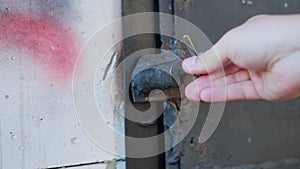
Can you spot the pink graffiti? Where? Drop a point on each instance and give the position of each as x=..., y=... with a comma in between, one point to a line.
x=49, y=42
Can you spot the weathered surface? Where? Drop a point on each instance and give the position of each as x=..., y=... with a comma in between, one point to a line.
x=252, y=134
x=39, y=44
x=131, y=45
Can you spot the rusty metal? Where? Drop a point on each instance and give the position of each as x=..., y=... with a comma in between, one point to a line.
x=162, y=71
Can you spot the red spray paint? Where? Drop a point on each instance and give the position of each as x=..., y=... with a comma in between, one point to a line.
x=51, y=44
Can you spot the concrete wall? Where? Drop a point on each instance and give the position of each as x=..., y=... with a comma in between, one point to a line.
x=39, y=45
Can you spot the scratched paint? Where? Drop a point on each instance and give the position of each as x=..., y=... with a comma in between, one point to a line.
x=47, y=41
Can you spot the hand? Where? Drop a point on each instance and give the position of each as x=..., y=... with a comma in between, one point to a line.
x=258, y=60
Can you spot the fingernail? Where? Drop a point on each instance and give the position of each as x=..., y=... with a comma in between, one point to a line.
x=192, y=93
x=205, y=95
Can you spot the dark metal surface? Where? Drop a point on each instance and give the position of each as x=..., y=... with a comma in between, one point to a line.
x=259, y=133
x=156, y=79
x=252, y=134
x=162, y=71
x=153, y=72
x=215, y=17
x=130, y=46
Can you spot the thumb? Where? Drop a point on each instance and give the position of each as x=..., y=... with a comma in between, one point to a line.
x=210, y=61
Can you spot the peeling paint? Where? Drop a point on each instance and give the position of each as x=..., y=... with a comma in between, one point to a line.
x=110, y=66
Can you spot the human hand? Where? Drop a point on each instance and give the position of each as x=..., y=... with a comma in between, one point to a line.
x=257, y=60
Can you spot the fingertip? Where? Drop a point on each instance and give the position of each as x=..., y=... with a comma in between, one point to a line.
x=210, y=61
x=191, y=92
x=205, y=95
x=191, y=65
x=187, y=64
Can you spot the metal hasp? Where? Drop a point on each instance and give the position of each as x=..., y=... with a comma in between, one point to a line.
x=162, y=71
x=157, y=71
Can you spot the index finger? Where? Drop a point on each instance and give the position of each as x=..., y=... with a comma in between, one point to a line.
x=210, y=61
